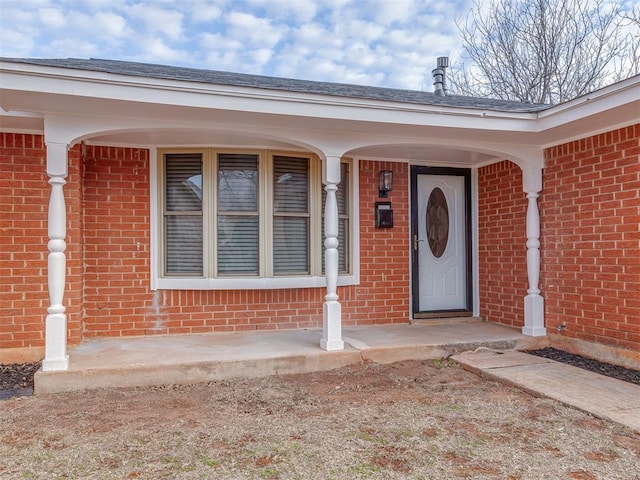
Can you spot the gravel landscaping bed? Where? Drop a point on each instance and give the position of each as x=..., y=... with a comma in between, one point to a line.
x=614, y=371
x=16, y=379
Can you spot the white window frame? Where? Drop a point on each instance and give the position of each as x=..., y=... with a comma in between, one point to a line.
x=209, y=282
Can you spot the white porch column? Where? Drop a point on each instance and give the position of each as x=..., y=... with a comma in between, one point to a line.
x=56, y=357
x=332, y=310
x=533, y=302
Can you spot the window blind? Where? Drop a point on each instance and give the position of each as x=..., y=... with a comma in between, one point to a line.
x=248, y=213
x=183, y=214
x=238, y=225
x=290, y=215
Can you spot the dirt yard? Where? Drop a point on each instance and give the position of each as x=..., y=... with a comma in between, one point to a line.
x=408, y=420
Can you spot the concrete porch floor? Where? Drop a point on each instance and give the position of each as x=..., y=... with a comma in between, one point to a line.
x=184, y=359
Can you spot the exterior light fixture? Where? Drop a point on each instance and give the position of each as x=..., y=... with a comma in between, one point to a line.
x=386, y=183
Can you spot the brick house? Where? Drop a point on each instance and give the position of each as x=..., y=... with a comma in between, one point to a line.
x=151, y=200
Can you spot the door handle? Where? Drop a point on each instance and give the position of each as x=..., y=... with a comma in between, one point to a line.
x=416, y=242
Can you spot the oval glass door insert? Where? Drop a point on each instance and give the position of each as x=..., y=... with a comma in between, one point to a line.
x=437, y=222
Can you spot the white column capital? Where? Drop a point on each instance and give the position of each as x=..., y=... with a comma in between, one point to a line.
x=532, y=179
x=57, y=163
x=331, y=169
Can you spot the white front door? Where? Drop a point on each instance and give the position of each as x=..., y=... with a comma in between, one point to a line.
x=440, y=238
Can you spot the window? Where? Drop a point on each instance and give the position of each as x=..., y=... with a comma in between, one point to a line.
x=183, y=220
x=291, y=216
x=231, y=215
x=237, y=216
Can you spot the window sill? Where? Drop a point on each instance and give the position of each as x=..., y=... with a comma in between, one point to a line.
x=247, y=283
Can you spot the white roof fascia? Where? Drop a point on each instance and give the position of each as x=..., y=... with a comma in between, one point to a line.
x=62, y=81
x=614, y=95
x=621, y=99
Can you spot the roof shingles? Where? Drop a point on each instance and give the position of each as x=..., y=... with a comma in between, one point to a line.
x=215, y=77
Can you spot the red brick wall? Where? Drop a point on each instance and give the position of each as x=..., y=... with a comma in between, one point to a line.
x=590, y=238
x=383, y=293
x=24, y=201
x=116, y=240
x=590, y=213
x=107, y=198
x=73, y=297
x=23, y=240
x=502, y=206
x=118, y=300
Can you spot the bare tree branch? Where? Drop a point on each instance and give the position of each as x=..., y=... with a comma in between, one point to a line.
x=631, y=64
x=545, y=51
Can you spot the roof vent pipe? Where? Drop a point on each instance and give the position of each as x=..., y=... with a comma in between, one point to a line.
x=440, y=77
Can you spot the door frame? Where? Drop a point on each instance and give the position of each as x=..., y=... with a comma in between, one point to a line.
x=415, y=303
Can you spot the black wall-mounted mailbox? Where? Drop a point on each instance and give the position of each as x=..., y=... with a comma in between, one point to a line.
x=384, y=215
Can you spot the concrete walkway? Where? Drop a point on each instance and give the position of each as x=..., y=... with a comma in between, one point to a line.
x=601, y=396
x=484, y=348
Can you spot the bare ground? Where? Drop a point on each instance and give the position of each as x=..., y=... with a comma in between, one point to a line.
x=408, y=420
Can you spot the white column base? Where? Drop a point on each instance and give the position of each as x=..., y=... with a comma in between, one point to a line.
x=332, y=327
x=56, y=357
x=534, y=316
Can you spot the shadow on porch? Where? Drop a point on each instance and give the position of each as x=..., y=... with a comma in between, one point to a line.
x=184, y=359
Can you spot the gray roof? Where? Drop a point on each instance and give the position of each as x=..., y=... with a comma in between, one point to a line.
x=215, y=77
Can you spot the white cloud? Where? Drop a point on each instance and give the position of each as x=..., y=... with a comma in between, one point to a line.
x=154, y=49
x=336, y=5
x=98, y=5
x=260, y=56
x=228, y=60
x=167, y=22
x=111, y=25
x=215, y=41
x=386, y=12
x=18, y=29
x=205, y=13
x=375, y=42
x=15, y=44
x=369, y=31
x=329, y=71
x=71, y=47
x=223, y=51
x=17, y=18
x=299, y=11
x=102, y=30
x=52, y=17
x=314, y=35
x=252, y=29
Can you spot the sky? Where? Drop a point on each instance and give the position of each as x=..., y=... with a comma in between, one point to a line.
x=390, y=43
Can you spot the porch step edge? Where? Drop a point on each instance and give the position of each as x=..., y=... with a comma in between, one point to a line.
x=187, y=373
x=445, y=320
